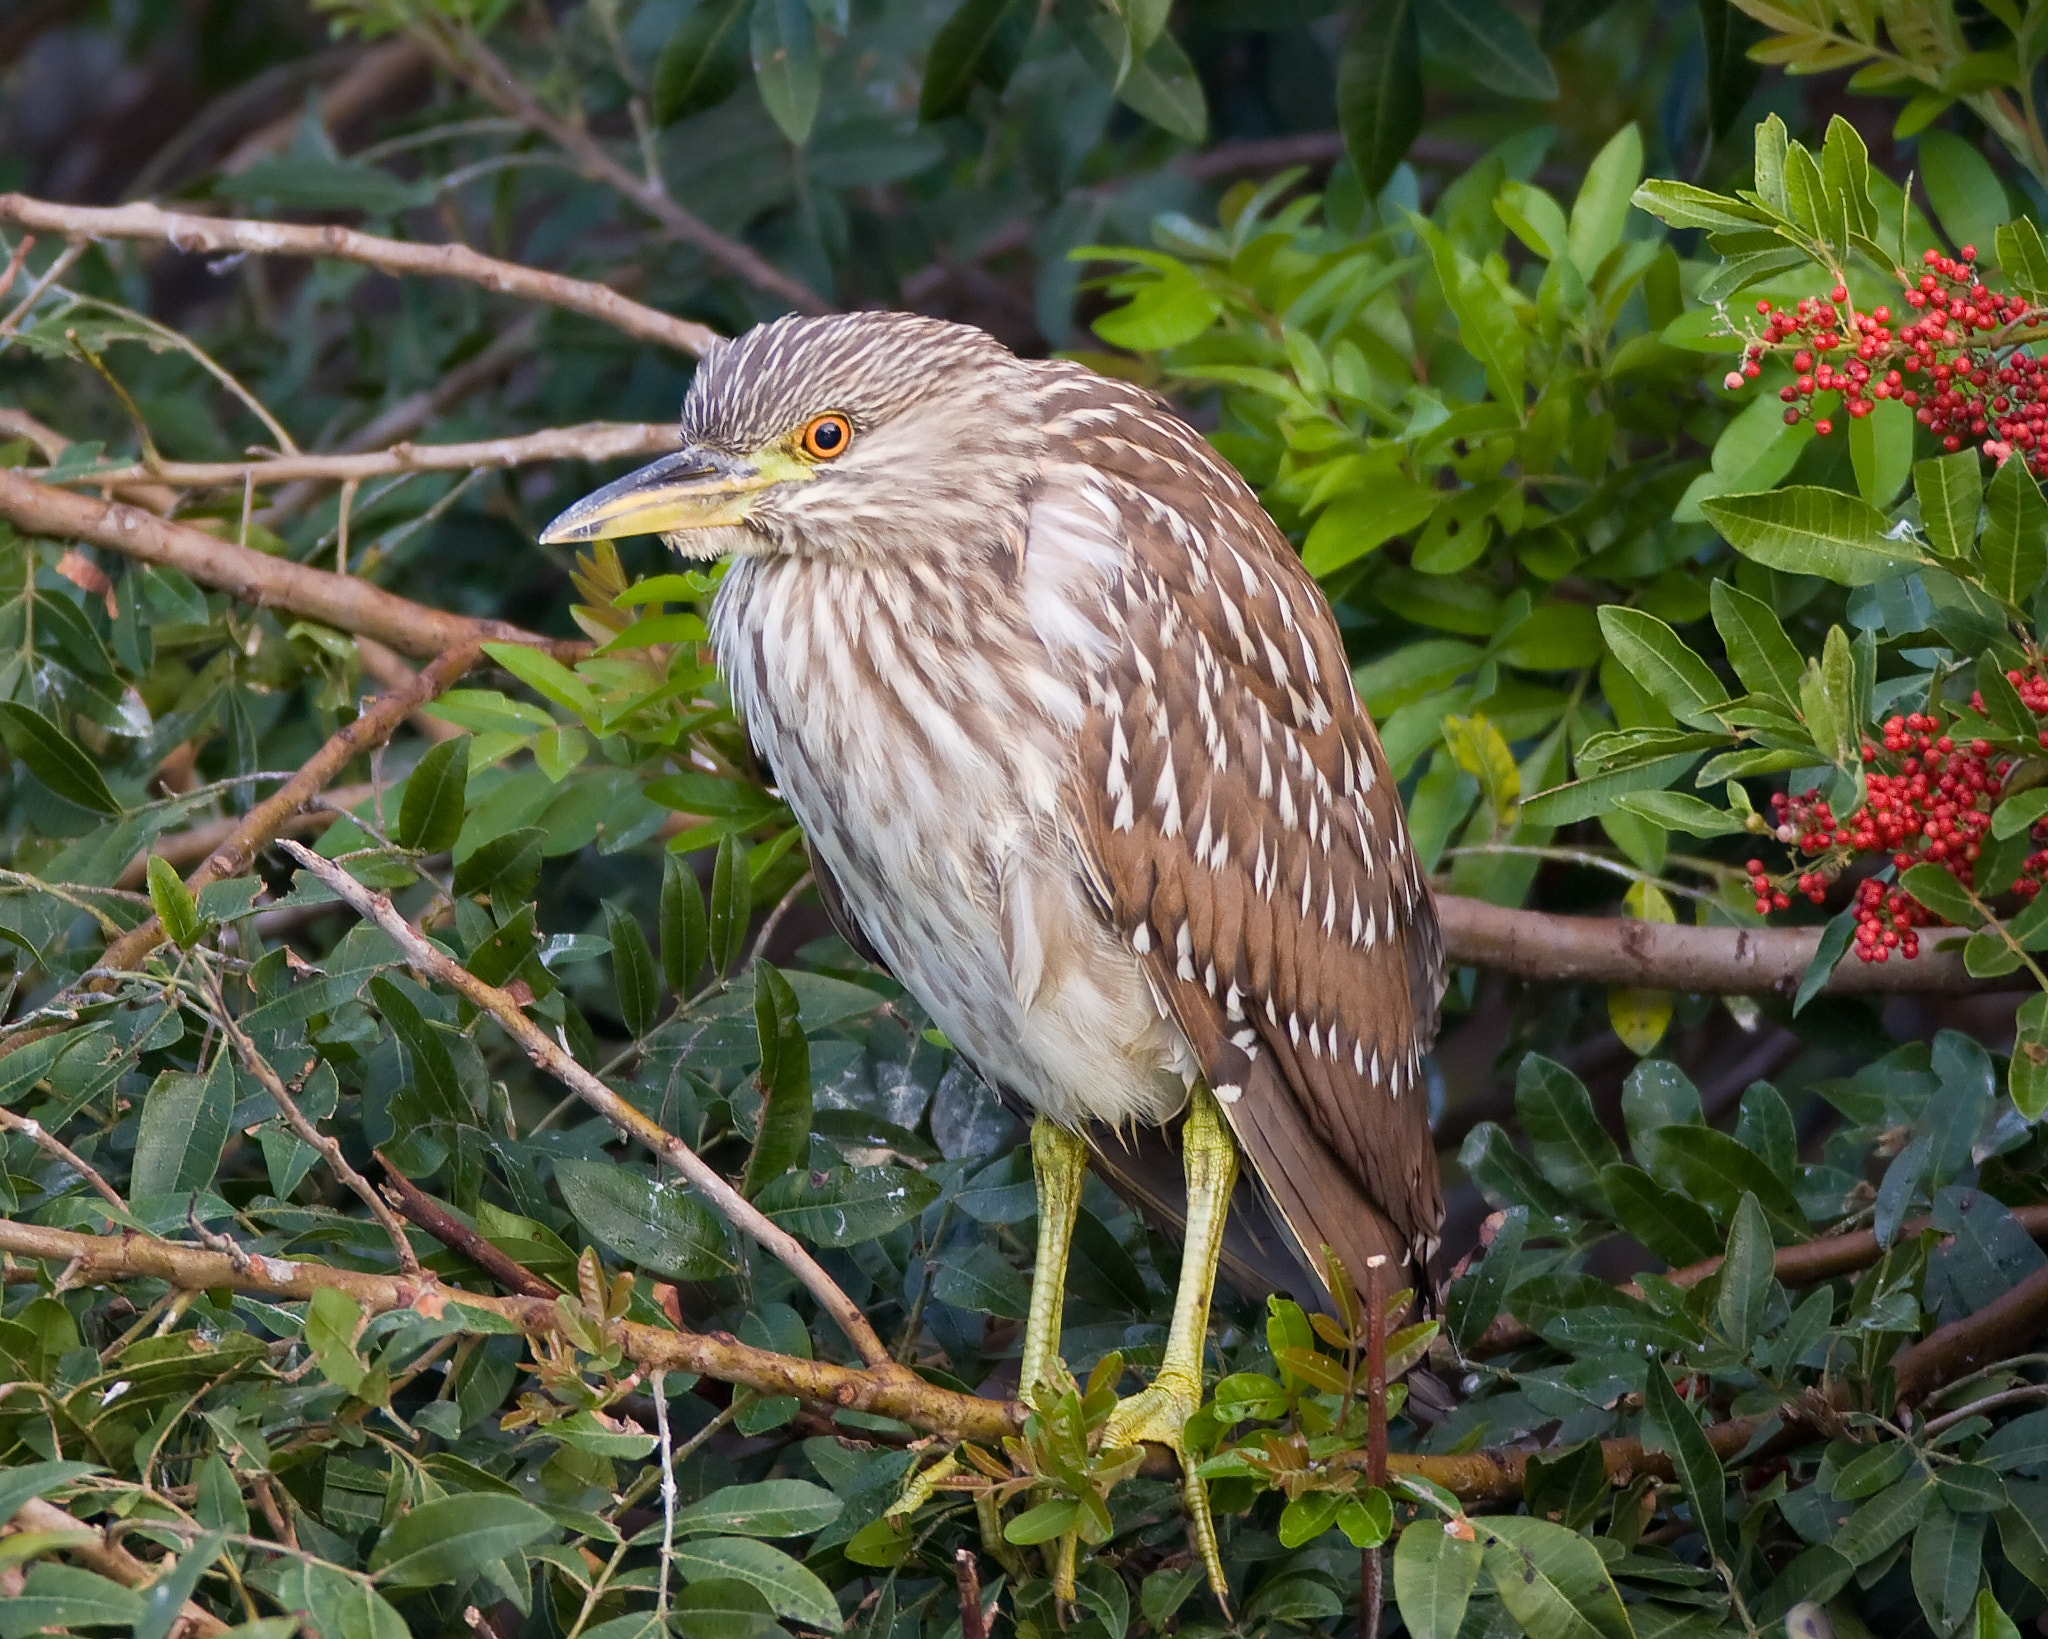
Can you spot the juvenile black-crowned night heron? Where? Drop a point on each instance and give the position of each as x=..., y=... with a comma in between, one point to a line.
x=1075, y=746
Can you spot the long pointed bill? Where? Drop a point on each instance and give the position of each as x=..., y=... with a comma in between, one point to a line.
x=692, y=489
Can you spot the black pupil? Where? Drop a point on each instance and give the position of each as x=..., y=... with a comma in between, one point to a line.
x=827, y=435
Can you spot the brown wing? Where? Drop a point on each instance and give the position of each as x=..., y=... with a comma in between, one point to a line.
x=1250, y=845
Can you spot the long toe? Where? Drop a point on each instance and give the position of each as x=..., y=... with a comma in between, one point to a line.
x=1157, y=1414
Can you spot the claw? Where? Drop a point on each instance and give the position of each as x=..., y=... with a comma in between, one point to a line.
x=1157, y=1416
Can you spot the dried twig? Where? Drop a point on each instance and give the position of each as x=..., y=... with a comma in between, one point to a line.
x=423, y=1210
x=594, y=441
x=473, y=62
x=342, y=601
x=212, y=235
x=263, y=823
x=555, y=1059
x=295, y=1118
x=113, y=1561
x=51, y=1145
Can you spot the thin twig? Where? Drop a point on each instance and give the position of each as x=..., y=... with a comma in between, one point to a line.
x=423, y=1210
x=473, y=62
x=211, y=235
x=556, y=1060
x=345, y=602
x=50, y=1144
x=668, y=1498
x=263, y=823
x=295, y=1118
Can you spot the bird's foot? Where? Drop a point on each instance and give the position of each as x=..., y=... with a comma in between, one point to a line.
x=1155, y=1415
x=1158, y=1415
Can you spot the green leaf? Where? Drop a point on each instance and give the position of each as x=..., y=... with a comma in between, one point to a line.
x=1168, y=312
x=2027, y=1080
x=24, y=1482
x=430, y=817
x=980, y=44
x=657, y=1227
x=1758, y=649
x=784, y=1138
x=2023, y=1531
x=1713, y=1169
x=1434, y=1573
x=2022, y=258
x=792, y=1590
x=1487, y=325
x=1658, y=659
x=1748, y=1276
x=702, y=62
x=1366, y=1517
x=1494, y=46
x=66, y=1598
x=1881, y=450
x=173, y=903
x=1669, y=1426
x=1601, y=211
x=1587, y=798
x=1307, y=1517
x=1552, y=1581
x=984, y=1282
x=1354, y=525
x=333, y=1319
x=1683, y=205
x=846, y=1205
x=1534, y=217
x=426, y=1049
x=685, y=933
x=1570, y=1145
x=1809, y=531
x=1477, y=1299
x=545, y=675
x=2014, y=547
x=639, y=988
x=1678, y=811
x=341, y=1606
x=1379, y=89
x=1677, y=1230
x=731, y=905
x=1950, y=490
x=768, y=1508
x=163, y=1601
x=53, y=759
x=183, y=1130
x=1043, y=1523
x=787, y=66
x=1886, y=1518
x=455, y=1536
x=1991, y=1622
x=1968, y=199
x=1941, y=893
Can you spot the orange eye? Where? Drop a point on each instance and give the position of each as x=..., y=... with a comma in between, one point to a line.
x=827, y=437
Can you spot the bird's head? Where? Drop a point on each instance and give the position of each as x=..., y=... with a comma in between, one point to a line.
x=856, y=436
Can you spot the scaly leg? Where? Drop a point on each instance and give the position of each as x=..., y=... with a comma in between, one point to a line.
x=1059, y=1160
x=1158, y=1413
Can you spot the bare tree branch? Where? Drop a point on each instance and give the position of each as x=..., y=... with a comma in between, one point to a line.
x=214, y=235
x=479, y=67
x=341, y=601
x=593, y=441
x=114, y=1562
x=1669, y=956
x=50, y=1144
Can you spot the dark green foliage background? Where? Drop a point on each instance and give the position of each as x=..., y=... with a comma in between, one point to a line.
x=1461, y=370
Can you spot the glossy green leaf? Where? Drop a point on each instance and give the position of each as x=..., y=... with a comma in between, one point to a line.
x=430, y=817
x=54, y=760
x=1950, y=490
x=453, y=1536
x=1434, y=1574
x=176, y=911
x=731, y=908
x=980, y=44
x=1968, y=199
x=633, y=973
x=1601, y=210
x=784, y=1136
x=656, y=1226
x=1669, y=1425
x=1809, y=531
x=1658, y=659
x=1493, y=45
x=1552, y=1581
x=767, y=1508
x=702, y=62
x=1379, y=88
x=2014, y=546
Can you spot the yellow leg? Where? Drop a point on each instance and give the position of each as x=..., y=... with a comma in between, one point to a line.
x=1158, y=1413
x=1059, y=1160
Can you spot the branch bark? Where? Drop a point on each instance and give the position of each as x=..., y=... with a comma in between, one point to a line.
x=435, y=965
x=422, y=1209
x=263, y=823
x=1722, y=961
x=316, y=594
x=215, y=235
x=115, y=1563
x=593, y=441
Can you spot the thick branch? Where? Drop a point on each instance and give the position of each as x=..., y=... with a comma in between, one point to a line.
x=593, y=441
x=1722, y=961
x=434, y=964
x=1800, y=1265
x=263, y=823
x=213, y=235
x=893, y=1392
x=2004, y=1326
x=479, y=67
x=316, y=594
x=114, y=1562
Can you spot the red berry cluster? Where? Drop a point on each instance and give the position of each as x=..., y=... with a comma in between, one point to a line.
x=1932, y=806
x=1949, y=366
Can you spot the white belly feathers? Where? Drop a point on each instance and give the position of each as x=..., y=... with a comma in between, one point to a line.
x=939, y=812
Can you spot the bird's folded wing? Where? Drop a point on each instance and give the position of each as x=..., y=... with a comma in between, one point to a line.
x=1247, y=840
